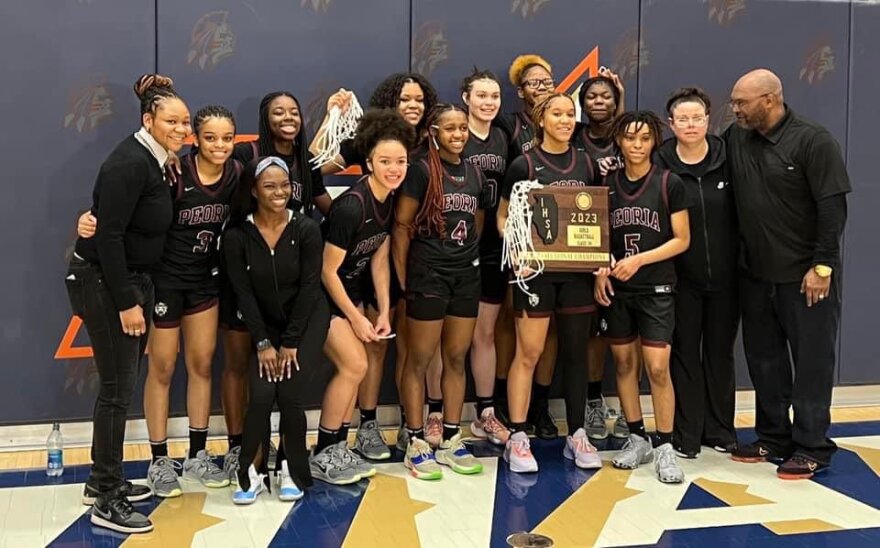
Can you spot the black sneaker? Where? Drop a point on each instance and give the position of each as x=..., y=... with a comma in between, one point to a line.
x=131, y=491
x=800, y=467
x=117, y=514
x=545, y=428
x=685, y=453
x=756, y=452
x=728, y=447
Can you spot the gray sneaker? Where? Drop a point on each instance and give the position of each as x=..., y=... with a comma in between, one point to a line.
x=666, y=465
x=230, y=464
x=620, y=430
x=402, y=439
x=594, y=423
x=162, y=476
x=202, y=468
x=365, y=468
x=334, y=465
x=636, y=451
x=370, y=443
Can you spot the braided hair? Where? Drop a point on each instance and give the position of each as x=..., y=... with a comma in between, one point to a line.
x=640, y=118
x=211, y=111
x=387, y=94
x=430, y=215
x=266, y=146
x=152, y=89
x=468, y=83
x=540, y=109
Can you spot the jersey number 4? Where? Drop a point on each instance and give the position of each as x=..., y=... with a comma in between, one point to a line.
x=460, y=233
x=205, y=238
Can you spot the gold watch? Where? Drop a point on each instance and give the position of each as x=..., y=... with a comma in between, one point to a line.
x=821, y=270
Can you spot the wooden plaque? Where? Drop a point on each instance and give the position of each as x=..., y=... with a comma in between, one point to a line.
x=570, y=228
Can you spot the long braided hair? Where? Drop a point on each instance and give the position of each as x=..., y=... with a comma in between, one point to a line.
x=540, y=109
x=152, y=89
x=430, y=216
x=266, y=147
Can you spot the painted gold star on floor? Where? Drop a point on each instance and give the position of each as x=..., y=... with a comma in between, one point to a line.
x=176, y=522
x=386, y=515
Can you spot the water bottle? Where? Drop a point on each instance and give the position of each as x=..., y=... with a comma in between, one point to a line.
x=55, y=450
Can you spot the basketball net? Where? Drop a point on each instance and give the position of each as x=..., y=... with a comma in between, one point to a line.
x=340, y=126
x=518, y=239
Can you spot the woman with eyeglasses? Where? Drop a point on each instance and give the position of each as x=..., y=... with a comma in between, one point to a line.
x=702, y=365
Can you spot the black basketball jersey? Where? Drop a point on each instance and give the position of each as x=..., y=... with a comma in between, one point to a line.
x=641, y=220
x=571, y=168
x=190, y=255
x=462, y=197
x=358, y=223
x=490, y=156
x=520, y=132
x=597, y=149
x=245, y=152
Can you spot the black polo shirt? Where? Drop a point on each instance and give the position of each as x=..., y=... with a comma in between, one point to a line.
x=778, y=179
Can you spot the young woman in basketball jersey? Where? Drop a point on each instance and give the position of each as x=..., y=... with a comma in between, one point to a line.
x=532, y=77
x=412, y=96
x=486, y=148
x=187, y=288
x=554, y=162
x=601, y=100
x=435, y=248
x=356, y=233
x=272, y=256
x=649, y=227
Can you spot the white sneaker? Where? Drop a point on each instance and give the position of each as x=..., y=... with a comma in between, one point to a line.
x=518, y=454
x=250, y=496
x=666, y=465
x=579, y=449
x=288, y=491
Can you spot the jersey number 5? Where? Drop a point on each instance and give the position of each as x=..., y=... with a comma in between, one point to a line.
x=459, y=233
x=631, y=241
x=205, y=238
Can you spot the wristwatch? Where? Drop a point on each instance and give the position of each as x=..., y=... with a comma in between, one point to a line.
x=265, y=344
x=821, y=270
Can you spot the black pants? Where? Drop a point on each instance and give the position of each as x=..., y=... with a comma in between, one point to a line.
x=292, y=396
x=573, y=330
x=776, y=321
x=117, y=357
x=702, y=366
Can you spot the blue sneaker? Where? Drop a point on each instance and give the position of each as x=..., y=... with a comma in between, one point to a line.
x=288, y=491
x=257, y=487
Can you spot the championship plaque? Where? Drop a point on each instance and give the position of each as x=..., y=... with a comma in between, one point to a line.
x=569, y=228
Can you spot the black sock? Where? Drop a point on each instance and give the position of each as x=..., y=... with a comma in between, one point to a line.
x=663, y=437
x=450, y=430
x=234, y=440
x=501, y=389
x=368, y=415
x=540, y=393
x=594, y=390
x=343, y=432
x=198, y=437
x=416, y=433
x=435, y=406
x=159, y=449
x=517, y=427
x=483, y=403
x=326, y=438
x=637, y=427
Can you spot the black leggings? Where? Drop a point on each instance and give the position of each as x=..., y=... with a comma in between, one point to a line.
x=573, y=332
x=292, y=396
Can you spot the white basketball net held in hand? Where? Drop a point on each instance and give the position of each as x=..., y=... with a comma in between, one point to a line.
x=518, y=239
x=340, y=126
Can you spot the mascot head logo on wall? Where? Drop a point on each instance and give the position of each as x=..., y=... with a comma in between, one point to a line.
x=212, y=40
x=630, y=54
x=317, y=5
x=88, y=106
x=430, y=48
x=818, y=61
x=724, y=11
x=527, y=8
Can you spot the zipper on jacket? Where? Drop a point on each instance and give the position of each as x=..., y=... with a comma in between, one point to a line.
x=705, y=229
x=275, y=278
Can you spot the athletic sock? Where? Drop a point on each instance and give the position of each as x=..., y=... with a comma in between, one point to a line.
x=483, y=404
x=234, y=440
x=540, y=393
x=450, y=430
x=501, y=389
x=418, y=433
x=594, y=390
x=663, y=437
x=198, y=437
x=637, y=427
x=159, y=449
x=343, y=432
x=326, y=438
x=517, y=427
x=435, y=406
x=368, y=415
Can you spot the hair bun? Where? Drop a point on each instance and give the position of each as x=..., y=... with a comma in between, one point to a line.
x=149, y=81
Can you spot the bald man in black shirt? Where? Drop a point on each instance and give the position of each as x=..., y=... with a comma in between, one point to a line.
x=790, y=184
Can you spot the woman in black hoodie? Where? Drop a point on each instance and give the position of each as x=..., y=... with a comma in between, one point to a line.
x=273, y=259
x=706, y=301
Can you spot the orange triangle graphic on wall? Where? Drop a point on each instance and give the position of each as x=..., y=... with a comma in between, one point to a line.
x=66, y=350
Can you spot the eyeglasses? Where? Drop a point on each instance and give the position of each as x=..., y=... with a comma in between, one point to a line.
x=740, y=103
x=696, y=121
x=535, y=83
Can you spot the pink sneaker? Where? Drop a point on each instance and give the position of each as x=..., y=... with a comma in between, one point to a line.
x=487, y=426
x=579, y=449
x=434, y=429
x=518, y=454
